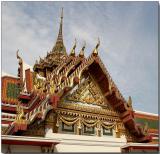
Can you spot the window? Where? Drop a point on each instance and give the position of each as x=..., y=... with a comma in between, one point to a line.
x=107, y=132
x=89, y=130
x=67, y=128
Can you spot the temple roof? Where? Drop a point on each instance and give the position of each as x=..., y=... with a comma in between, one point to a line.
x=57, y=53
x=63, y=79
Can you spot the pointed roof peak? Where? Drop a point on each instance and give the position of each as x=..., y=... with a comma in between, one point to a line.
x=59, y=46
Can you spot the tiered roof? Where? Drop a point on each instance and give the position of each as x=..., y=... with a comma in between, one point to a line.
x=57, y=53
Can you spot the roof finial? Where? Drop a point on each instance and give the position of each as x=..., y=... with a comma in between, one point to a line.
x=62, y=14
x=73, y=49
x=129, y=103
x=81, y=54
x=60, y=36
x=95, y=51
x=20, y=68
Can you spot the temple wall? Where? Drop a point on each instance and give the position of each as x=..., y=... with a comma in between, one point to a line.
x=81, y=143
x=85, y=148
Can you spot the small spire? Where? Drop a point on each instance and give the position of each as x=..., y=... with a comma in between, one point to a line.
x=81, y=54
x=95, y=51
x=73, y=49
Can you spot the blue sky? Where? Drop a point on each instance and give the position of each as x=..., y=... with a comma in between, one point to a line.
x=128, y=32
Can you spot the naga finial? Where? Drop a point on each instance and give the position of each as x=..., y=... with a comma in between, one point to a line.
x=95, y=51
x=129, y=102
x=20, y=68
x=18, y=57
x=81, y=54
x=20, y=113
x=73, y=49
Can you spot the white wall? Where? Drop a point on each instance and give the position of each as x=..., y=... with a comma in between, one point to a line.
x=84, y=148
x=81, y=143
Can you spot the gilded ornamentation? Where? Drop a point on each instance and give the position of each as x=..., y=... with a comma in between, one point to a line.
x=79, y=121
x=20, y=114
x=87, y=92
x=95, y=51
x=129, y=103
x=38, y=84
x=52, y=87
x=73, y=49
x=81, y=54
x=93, y=110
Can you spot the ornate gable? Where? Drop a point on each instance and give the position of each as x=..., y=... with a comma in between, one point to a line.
x=87, y=92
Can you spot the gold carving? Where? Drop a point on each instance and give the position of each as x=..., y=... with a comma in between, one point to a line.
x=20, y=114
x=87, y=92
x=95, y=51
x=81, y=54
x=129, y=103
x=52, y=87
x=73, y=49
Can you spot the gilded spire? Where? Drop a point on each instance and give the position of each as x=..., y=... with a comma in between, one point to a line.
x=81, y=54
x=59, y=46
x=60, y=35
x=73, y=49
x=95, y=51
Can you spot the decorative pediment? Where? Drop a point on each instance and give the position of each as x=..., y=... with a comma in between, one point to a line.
x=87, y=92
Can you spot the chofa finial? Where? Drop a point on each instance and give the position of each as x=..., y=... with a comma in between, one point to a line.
x=18, y=57
x=95, y=51
x=73, y=49
x=81, y=54
x=129, y=102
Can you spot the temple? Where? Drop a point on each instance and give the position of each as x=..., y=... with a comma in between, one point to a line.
x=69, y=103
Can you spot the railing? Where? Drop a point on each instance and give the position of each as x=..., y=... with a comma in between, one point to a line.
x=40, y=109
